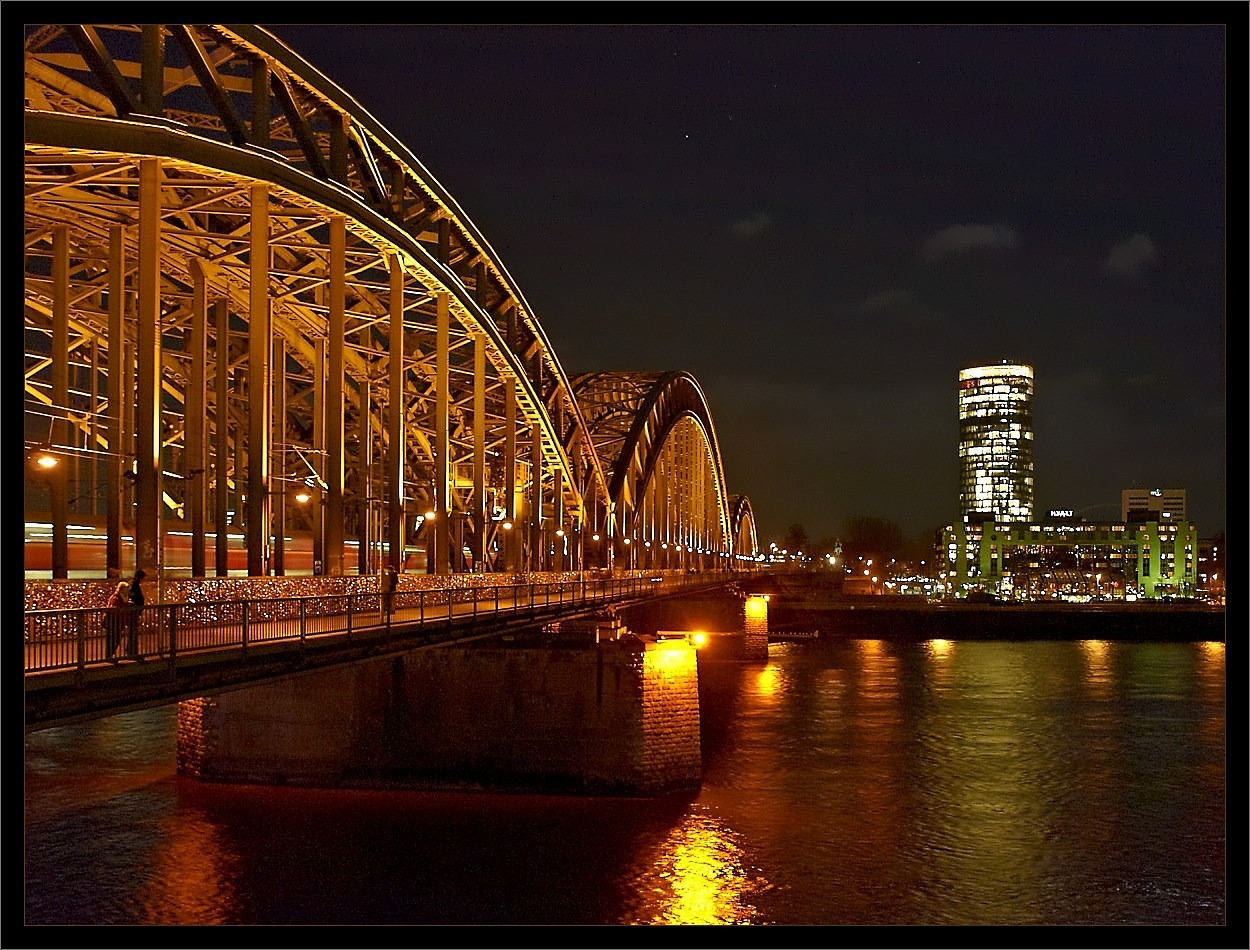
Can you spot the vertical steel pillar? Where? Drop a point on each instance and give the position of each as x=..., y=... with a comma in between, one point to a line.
x=195, y=404
x=58, y=480
x=221, y=435
x=319, y=456
x=335, y=386
x=511, y=538
x=441, y=534
x=478, y=506
x=278, y=374
x=94, y=435
x=538, y=554
x=258, y=394
x=148, y=359
x=366, y=512
x=116, y=389
x=395, y=457
x=557, y=502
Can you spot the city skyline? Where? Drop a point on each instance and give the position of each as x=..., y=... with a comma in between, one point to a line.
x=824, y=223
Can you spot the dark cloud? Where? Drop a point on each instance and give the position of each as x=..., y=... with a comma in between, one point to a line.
x=885, y=300
x=963, y=238
x=752, y=226
x=1131, y=257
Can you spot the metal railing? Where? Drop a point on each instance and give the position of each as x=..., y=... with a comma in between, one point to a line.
x=75, y=639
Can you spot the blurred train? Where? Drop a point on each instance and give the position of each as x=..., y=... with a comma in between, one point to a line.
x=88, y=551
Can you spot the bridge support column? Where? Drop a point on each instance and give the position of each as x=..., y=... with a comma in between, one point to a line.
x=618, y=717
x=755, y=627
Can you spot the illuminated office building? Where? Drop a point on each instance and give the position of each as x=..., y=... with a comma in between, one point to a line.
x=996, y=442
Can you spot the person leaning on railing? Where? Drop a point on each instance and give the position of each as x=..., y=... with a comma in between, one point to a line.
x=136, y=607
x=118, y=606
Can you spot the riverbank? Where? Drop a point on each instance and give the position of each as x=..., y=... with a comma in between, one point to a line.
x=1150, y=622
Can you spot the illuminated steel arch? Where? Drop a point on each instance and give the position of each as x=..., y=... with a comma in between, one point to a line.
x=241, y=288
x=745, y=540
x=655, y=438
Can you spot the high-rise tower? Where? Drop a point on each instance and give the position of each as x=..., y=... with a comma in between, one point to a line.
x=996, y=441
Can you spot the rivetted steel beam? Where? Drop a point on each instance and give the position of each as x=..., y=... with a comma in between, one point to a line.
x=101, y=63
x=258, y=394
x=303, y=135
x=148, y=376
x=396, y=452
x=261, y=101
x=209, y=82
x=152, y=69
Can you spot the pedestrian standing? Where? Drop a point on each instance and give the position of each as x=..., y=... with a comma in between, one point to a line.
x=118, y=603
x=390, y=582
x=136, y=607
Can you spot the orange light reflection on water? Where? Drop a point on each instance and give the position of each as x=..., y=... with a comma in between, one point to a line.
x=768, y=680
x=192, y=880
x=696, y=876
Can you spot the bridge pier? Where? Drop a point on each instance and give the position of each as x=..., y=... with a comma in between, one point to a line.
x=755, y=627
x=619, y=716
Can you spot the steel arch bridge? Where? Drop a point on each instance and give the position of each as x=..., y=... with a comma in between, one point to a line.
x=251, y=311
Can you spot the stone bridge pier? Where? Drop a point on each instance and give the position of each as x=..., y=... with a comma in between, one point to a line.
x=586, y=706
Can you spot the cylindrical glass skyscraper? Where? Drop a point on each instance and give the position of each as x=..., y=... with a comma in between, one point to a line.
x=996, y=442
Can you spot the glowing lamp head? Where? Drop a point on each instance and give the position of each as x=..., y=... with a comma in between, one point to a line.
x=46, y=460
x=698, y=639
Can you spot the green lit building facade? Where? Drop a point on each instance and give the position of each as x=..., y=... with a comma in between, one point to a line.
x=1077, y=561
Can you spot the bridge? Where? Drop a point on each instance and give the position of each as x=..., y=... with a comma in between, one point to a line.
x=252, y=314
x=84, y=663
x=268, y=356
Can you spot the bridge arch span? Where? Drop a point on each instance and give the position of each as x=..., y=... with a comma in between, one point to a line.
x=658, y=444
x=745, y=540
x=252, y=314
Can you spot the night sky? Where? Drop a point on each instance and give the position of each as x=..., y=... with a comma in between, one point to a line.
x=825, y=223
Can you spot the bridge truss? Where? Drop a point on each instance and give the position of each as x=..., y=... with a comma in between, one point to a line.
x=249, y=308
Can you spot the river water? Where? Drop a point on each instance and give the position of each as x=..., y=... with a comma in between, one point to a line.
x=851, y=782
